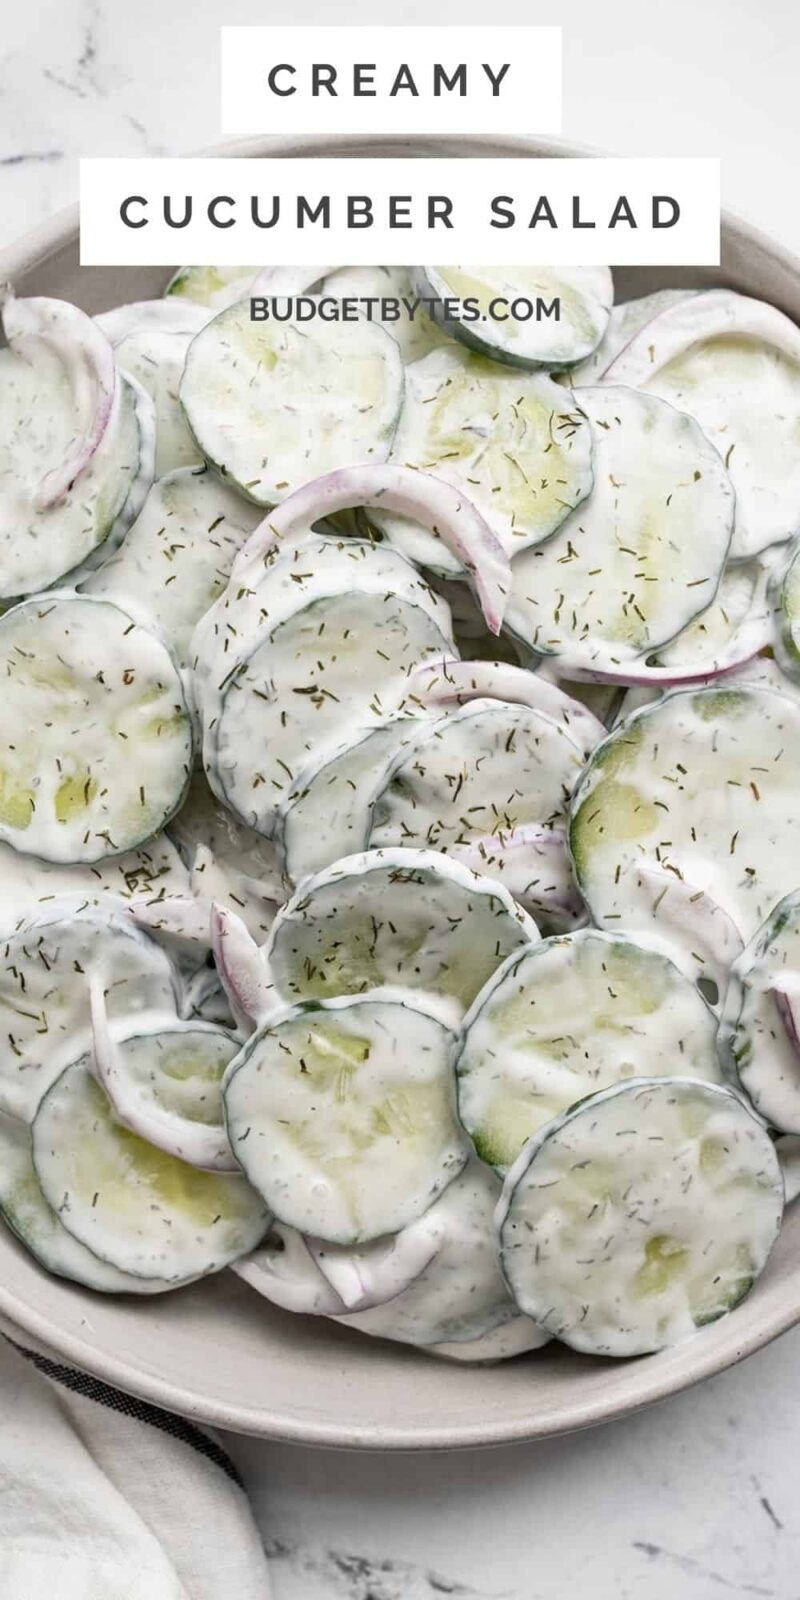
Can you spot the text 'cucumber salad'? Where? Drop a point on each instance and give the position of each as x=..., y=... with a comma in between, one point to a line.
x=400, y=801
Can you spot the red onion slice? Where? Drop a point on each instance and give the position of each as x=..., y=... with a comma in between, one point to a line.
x=787, y=1001
x=534, y=864
x=370, y=1277
x=288, y=1276
x=33, y=325
x=241, y=967
x=436, y=505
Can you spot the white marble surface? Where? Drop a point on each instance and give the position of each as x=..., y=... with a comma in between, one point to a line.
x=697, y=1498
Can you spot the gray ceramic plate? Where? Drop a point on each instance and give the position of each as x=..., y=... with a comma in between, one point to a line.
x=218, y=1352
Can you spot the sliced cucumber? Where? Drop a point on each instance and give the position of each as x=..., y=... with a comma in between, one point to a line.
x=644, y=1213
x=332, y=653
x=326, y=814
x=414, y=330
x=37, y=1226
x=41, y=540
x=625, y=320
x=407, y=917
x=644, y=555
x=272, y=404
x=156, y=358
x=96, y=746
x=457, y=682
x=733, y=364
x=174, y=315
x=741, y=596
x=476, y=775
x=584, y=296
x=758, y=1038
x=513, y=442
x=44, y=989
x=702, y=784
x=176, y=559
x=568, y=1017
x=29, y=885
x=787, y=641
x=215, y=287
x=165, y=1084
x=342, y=1115
x=787, y=1149
x=461, y=1295
x=138, y=1208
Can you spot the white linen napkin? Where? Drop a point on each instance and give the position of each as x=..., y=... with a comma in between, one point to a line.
x=104, y=1497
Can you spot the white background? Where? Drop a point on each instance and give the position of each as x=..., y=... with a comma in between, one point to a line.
x=697, y=1499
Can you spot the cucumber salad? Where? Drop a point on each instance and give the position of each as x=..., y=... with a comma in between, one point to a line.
x=400, y=802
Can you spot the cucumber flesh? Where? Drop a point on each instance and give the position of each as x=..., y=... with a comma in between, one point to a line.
x=44, y=990
x=407, y=917
x=734, y=364
x=569, y=1017
x=479, y=773
x=272, y=405
x=96, y=746
x=326, y=814
x=176, y=559
x=443, y=683
x=174, y=315
x=29, y=886
x=25, y=1210
x=342, y=1115
x=416, y=335
x=626, y=319
x=701, y=784
x=512, y=442
x=757, y=1035
x=461, y=1295
x=644, y=1213
x=165, y=1083
x=156, y=358
x=585, y=296
x=138, y=1208
x=635, y=564
x=214, y=287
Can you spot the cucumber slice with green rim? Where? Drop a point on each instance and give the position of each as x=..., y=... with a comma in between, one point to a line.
x=734, y=364
x=407, y=917
x=740, y=599
x=461, y=1295
x=787, y=1149
x=513, y=442
x=584, y=295
x=40, y=543
x=29, y=885
x=334, y=652
x=415, y=331
x=44, y=988
x=165, y=1083
x=457, y=682
x=625, y=320
x=476, y=775
x=566, y=1018
x=36, y=1225
x=272, y=404
x=703, y=785
x=326, y=814
x=644, y=1213
x=758, y=1037
x=176, y=559
x=138, y=1208
x=175, y=315
x=787, y=636
x=342, y=1115
x=215, y=287
x=156, y=358
x=96, y=745
x=633, y=566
